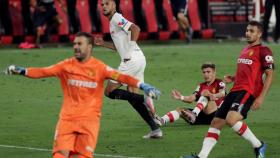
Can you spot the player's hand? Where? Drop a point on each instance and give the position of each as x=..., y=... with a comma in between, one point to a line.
x=98, y=41
x=257, y=103
x=15, y=70
x=176, y=94
x=150, y=90
x=228, y=79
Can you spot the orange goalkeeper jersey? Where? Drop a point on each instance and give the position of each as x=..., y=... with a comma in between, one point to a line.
x=82, y=85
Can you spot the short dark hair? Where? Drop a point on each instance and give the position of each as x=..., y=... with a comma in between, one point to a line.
x=208, y=65
x=88, y=36
x=257, y=24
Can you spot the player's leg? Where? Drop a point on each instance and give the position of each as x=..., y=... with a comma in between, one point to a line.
x=64, y=139
x=86, y=139
x=217, y=124
x=202, y=105
x=171, y=116
x=234, y=119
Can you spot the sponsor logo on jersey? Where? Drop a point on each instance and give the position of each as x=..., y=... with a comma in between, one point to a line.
x=245, y=61
x=79, y=83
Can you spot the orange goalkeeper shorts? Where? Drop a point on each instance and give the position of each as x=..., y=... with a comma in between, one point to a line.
x=76, y=136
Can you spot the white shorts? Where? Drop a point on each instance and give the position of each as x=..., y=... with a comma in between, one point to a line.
x=135, y=67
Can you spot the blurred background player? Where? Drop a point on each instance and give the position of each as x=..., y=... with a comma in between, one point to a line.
x=82, y=78
x=45, y=18
x=253, y=78
x=180, y=10
x=133, y=62
x=267, y=14
x=208, y=94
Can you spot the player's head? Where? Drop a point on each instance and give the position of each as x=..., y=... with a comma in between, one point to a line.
x=109, y=7
x=254, y=32
x=209, y=72
x=82, y=46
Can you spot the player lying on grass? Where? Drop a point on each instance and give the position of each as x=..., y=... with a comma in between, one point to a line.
x=208, y=95
x=252, y=81
x=82, y=80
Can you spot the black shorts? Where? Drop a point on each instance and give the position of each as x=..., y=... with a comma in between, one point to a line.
x=203, y=119
x=179, y=6
x=239, y=101
x=47, y=16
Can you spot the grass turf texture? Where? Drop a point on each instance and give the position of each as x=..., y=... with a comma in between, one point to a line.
x=29, y=108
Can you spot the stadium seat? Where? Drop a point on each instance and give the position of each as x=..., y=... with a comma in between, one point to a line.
x=82, y=7
x=126, y=7
x=16, y=17
x=148, y=8
x=193, y=13
x=103, y=19
x=172, y=23
x=64, y=25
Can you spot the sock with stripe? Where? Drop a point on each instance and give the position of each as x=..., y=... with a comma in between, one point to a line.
x=171, y=116
x=201, y=104
x=209, y=142
x=243, y=130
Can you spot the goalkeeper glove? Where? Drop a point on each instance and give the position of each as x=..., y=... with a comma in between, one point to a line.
x=150, y=90
x=15, y=70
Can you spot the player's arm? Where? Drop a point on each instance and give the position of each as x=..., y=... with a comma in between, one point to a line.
x=100, y=42
x=269, y=73
x=178, y=96
x=131, y=81
x=229, y=79
x=34, y=72
x=135, y=31
x=215, y=96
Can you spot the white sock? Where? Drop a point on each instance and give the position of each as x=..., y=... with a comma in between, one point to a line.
x=201, y=104
x=171, y=116
x=243, y=130
x=209, y=142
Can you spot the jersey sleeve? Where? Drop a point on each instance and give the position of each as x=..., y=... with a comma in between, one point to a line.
x=113, y=74
x=266, y=58
x=50, y=71
x=197, y=93
x=121, y=22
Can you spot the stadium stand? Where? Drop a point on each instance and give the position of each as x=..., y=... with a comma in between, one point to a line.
x=154, y=17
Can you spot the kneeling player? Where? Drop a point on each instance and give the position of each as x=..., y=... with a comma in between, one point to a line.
x=209, y=95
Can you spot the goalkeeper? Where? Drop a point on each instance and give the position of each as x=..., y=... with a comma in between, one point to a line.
x=208, y=94
x=81, y=78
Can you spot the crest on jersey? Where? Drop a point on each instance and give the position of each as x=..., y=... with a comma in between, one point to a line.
x=250, y=53
x=122, y=22
x=213, y=90
x=91, y=73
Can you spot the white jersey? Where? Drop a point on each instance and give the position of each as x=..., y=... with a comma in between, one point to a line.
x=121, y=36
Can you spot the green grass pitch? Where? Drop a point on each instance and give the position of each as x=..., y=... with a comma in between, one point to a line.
x=29, y=108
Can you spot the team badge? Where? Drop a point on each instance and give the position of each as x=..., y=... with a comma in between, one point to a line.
x=251, y=53
x=91, y=73
x=123, y=22
x=213, y=90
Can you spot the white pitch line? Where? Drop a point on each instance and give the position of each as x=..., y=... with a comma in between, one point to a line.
x=49, y=150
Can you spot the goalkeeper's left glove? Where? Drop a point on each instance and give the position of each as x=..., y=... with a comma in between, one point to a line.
x=150, y=90
x=15, y=70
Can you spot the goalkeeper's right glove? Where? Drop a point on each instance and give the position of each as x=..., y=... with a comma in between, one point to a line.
x=15, y=70
x=150, y=90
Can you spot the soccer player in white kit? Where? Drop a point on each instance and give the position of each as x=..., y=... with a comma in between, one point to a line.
x=133, y=62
